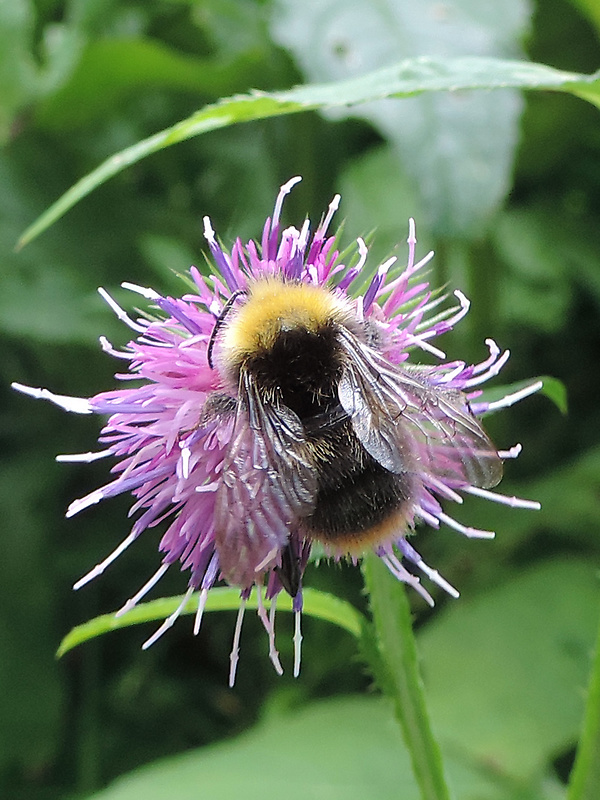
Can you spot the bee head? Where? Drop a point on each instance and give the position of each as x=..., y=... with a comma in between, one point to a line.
x=278, y=318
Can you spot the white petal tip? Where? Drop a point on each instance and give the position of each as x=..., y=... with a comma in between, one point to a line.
x=82, y=581
x=209, y=233
x=124, y=609
x=149, y=294
x=78, y=505
x=289, y=185
x=473, y=533
x=79, y=405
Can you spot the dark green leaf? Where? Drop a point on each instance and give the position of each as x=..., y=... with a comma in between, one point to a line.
x=590, y=9
x=569, y=497
x=546, y=251
x=112, y=70
x=338, y=749
x=32, y=697
x=18, y=74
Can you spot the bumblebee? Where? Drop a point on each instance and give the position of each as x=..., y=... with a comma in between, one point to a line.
x=329, y=438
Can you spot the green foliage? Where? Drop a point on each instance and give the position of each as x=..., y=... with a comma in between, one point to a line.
x=396, y=670
x=503, y=185
x=525, y=697
x=501, y=701
x=460, y=193
x=411, y=77
x=342, y=749
x=316, y=604
x=585, y=778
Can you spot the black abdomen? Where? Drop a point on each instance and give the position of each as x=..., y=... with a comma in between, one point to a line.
x=355, y=493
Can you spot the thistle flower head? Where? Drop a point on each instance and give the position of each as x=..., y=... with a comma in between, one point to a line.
x=278, y=406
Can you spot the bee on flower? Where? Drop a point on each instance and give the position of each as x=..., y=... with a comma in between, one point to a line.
x=279, y=408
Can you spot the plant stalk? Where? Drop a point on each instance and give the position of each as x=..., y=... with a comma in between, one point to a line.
x=393, y=657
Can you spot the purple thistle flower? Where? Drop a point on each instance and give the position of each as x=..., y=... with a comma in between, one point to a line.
x=278, y=408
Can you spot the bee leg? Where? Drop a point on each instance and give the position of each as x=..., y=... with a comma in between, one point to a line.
x=289, y=572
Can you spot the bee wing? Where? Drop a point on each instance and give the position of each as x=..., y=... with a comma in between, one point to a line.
x=392, y=409
x=267, y=484
x=373, y=423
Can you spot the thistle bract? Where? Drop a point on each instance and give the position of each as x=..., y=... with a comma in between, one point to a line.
x=246, y=475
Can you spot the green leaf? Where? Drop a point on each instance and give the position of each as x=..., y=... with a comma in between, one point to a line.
x=546, y=251
x=568, y=493
x=409, y=77
x=31, y=703
x=553, y=388
x=22, y=78
x=505, y=671
x=340, y=750
x=585, y=780
x=111, y=70
x=569, y=497
x=18, y=73
x=536, y=287
x=316, y=604
x=378, y=196
x=457, y=148
x=590, y=9
x=48, y=293
x=399, y=674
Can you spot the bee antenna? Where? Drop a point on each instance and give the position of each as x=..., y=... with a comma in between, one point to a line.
x=219, y=322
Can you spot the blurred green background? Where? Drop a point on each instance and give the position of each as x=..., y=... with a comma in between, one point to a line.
x=505, y=188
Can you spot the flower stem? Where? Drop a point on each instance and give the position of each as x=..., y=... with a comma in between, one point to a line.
x=393, y=657
x=585, y=777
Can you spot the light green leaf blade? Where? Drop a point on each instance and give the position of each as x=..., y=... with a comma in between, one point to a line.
x=584, y=783
x=407, y=78
x=316, y=603
x=553, y=388
x=458, y=149
x=590, y=9
x=398, y=673
x=339, y=750
x=505, y=672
